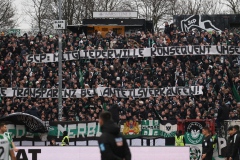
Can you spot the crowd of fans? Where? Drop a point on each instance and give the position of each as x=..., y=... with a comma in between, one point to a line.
x=209, y=71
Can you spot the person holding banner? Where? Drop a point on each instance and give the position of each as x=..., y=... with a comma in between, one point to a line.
x=207, y=144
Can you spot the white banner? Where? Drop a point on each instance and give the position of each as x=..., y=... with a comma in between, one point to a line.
x=101, y=91
x=86, y=153
x=134, y=53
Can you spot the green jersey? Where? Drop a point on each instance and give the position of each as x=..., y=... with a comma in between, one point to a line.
x=5, y=147
x=8, y=135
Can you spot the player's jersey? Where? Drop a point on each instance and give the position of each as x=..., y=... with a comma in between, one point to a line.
x=5, y=147
x=8, y=135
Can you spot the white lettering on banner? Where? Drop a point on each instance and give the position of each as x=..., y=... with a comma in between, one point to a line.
x=61, y=129
x=17, y=131
x=101, y=91
x=134, y=53
x=20, y=131
x=91, y=129
x=71, y=127
x=11, y=129
x=86, y=153
x=222, y=143
x=81, y=130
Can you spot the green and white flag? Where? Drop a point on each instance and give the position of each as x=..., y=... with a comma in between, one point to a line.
x=168, y=128
x=193, y=138
x=81, y=78
x=193, y=132
x=150, y=128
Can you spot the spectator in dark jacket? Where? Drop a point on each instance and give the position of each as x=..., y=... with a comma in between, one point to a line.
x=33, y=111
x=111, y=143
x=230, y=142
x=114, y=110
x=236, y=144
x=223, y=114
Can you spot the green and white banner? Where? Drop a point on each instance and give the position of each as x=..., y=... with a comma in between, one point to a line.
x=76, y=130
x=164, y=129
x=168, y=128
x=80, y=131
x=193, y=132
x=193, y=137
x=150, y=128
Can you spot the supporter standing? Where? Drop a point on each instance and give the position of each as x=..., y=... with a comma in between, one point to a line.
x=113, y=146
x=235, y=144
x=65, y=140
x=179, y=139
x=207, y=144
x=230, y=142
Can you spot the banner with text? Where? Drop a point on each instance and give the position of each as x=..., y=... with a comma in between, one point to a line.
x=101, y=91
x=82, y=131
x=76, y=130
x=134, y=53
x=20, y=133
x=147, y=92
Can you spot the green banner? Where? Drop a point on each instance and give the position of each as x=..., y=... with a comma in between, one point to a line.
x=76, y=130
x=150, y=128
x=164, y=129
x=193, y=132
x=79, y=131
x=19, y=132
